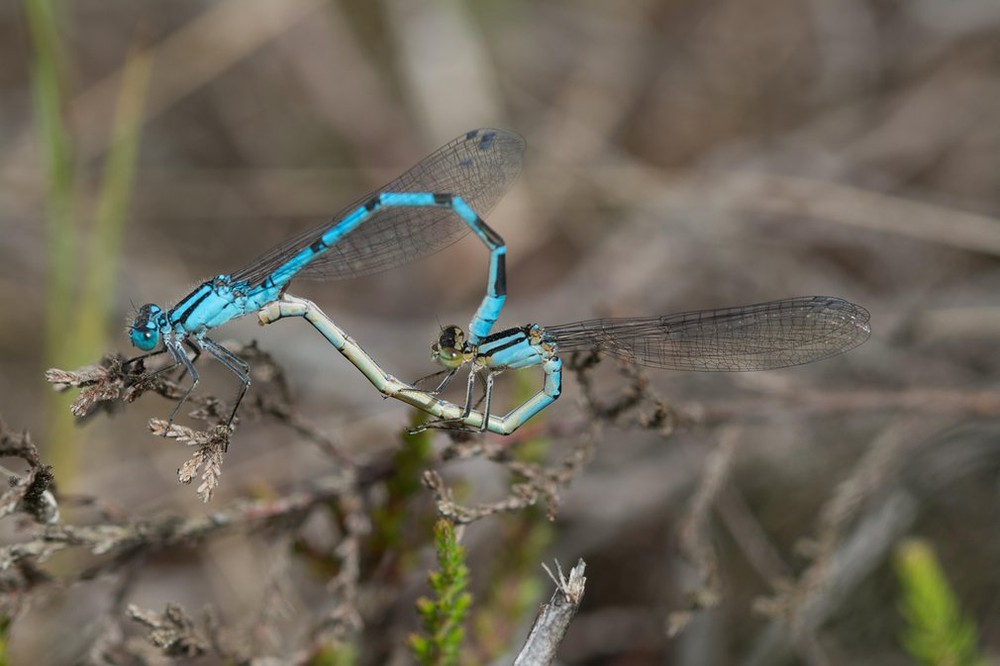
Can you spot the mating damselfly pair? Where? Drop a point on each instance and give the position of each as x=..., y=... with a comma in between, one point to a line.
x=431, y=206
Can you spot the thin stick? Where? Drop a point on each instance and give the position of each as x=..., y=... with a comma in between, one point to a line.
x=554, y=617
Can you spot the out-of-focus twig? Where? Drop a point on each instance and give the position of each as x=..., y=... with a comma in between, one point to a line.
x=941, y=401
x=769, y=194
x=853, y=538
x=862, y=551
x=136, y=539
x=172, y=631
x=696, y=541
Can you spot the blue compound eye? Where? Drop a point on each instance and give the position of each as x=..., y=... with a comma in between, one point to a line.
x=145, y=340
x=145, y=330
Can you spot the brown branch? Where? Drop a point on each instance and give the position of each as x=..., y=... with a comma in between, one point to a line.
x=134, y=539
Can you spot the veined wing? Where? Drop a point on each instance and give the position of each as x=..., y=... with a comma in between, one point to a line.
x=752, y=337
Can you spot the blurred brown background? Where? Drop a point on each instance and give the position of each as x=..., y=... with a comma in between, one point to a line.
x=681, y=155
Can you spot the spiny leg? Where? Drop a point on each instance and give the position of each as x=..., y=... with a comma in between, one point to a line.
x=461, y=422
x=167, y=368
x=488, y=401
x=142, y=357
x=470, y=390
x=218, y=351
x=197, y=353
x=235, y=365
x=156, y=373
x=448, y=373
x=177, y=351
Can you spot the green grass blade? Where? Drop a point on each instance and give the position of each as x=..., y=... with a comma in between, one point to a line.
x=77, y=320
x=56, y=149
x=104, y=249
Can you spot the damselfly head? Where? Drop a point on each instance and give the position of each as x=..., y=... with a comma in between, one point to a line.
x=450, y=348
x=145, y=329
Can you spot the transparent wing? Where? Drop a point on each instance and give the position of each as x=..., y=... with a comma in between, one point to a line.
x=752, y=337
x=479, y=166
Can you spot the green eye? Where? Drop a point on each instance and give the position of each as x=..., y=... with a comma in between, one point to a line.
x=449, y=350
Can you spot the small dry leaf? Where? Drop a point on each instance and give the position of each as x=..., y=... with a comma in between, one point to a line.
x=99, y=385
x=207, y=460
x=64, y=379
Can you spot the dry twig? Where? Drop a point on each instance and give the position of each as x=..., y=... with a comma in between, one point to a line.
x=554, y=617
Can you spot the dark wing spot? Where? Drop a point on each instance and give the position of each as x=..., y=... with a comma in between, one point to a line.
x=486, y=142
